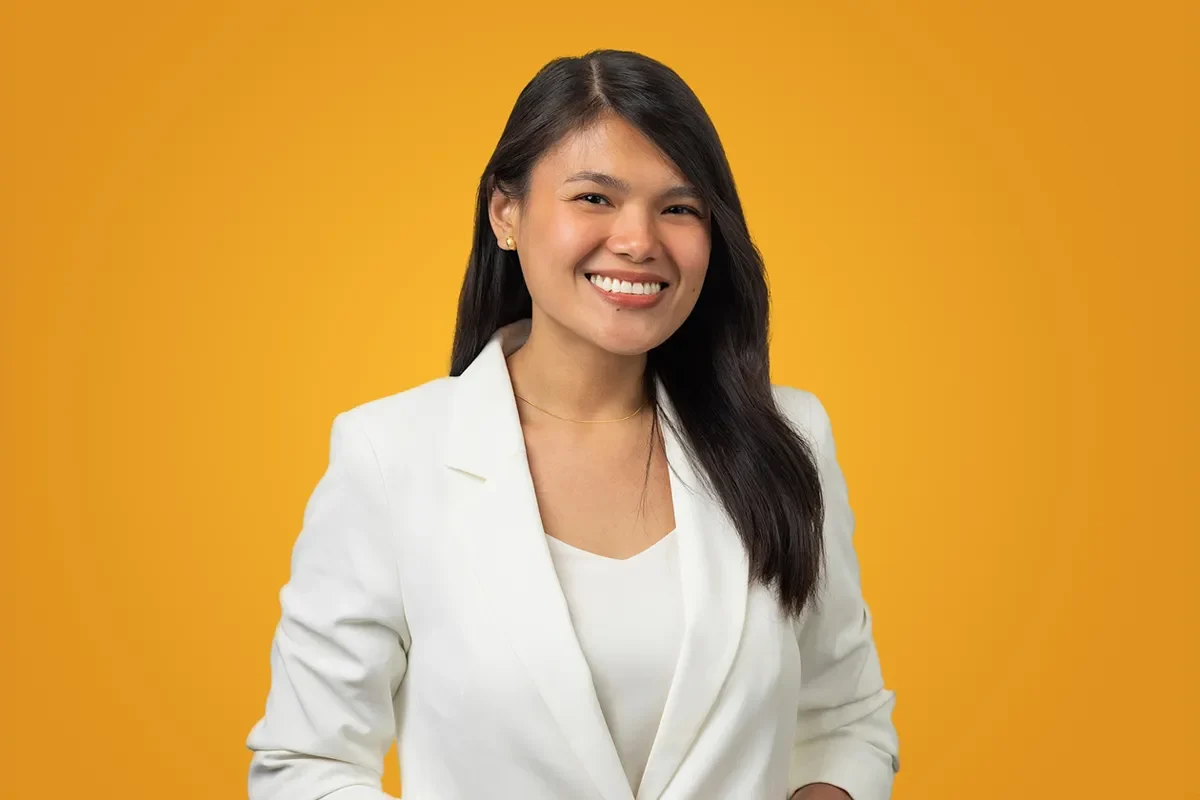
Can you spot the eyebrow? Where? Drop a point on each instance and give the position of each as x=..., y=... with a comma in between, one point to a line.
x=604, y=179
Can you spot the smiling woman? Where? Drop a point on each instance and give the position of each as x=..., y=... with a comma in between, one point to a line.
x=586, y=563
x=604, y=206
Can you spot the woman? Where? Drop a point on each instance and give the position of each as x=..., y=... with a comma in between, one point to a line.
x=587, y=564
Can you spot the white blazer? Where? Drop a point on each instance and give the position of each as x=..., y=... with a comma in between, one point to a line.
x=423, y=607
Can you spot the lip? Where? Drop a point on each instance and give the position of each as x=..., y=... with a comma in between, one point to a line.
x=621, y=300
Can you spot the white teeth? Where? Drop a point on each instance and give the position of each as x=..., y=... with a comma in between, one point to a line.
x=625, y=287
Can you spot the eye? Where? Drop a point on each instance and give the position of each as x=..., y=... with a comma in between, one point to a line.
x=591, y=199
x=685, y=210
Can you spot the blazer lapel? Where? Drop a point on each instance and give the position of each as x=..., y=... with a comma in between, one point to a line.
x=714, y=572
x=495, y=514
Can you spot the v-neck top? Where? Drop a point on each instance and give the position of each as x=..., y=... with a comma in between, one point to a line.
x=628, y=619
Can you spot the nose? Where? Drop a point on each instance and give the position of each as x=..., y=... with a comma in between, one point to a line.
x=633, y=235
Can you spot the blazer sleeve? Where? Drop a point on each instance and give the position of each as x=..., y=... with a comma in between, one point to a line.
x=845, y=735
x=339, y=650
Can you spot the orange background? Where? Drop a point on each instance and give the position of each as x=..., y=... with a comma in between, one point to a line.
x=222, y=223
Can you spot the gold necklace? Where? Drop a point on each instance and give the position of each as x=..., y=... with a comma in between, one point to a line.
x=587, y=421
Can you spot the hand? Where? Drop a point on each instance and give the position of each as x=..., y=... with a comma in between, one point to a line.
x=820, y=791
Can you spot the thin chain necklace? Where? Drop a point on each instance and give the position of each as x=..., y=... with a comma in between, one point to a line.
x=587, y=421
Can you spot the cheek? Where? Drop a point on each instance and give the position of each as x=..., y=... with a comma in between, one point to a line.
x=565, y=239
x=691, y=254
x=555, y=245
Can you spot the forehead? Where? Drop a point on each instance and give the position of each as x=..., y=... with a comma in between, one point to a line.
x=612, y=146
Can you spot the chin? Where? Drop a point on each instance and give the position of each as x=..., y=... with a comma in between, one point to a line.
x=625, y=338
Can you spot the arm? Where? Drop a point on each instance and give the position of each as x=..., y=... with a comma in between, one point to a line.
x=845, y=737
x=339, y=650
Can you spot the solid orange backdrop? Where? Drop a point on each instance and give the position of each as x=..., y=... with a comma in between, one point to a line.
x=222, y=223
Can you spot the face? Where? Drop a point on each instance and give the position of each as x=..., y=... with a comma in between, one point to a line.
x=613, y=241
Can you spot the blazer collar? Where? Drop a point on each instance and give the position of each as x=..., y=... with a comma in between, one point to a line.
x=502, y=537
x=485, y=428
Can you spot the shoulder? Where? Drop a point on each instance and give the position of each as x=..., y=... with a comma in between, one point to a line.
x=406, y=425
x=805, y=411
x=408, y=407
x=807, y=414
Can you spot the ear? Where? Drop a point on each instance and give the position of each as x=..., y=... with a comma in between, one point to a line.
x=504, y=213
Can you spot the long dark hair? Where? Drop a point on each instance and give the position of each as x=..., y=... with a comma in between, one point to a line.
x=715, y=367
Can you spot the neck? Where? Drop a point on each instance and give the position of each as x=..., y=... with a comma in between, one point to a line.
x=574, y=378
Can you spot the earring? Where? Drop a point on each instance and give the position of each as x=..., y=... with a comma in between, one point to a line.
x=508, y=241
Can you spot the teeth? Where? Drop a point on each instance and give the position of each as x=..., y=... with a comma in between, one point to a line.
x=625, y=287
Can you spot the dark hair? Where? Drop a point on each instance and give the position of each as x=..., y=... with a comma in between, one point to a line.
x=715, y=367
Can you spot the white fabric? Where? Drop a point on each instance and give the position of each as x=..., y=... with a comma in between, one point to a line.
x=423, y=606
x=628, y=617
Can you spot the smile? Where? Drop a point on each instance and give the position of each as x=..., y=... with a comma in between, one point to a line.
x=616, y=290
x=607, y=284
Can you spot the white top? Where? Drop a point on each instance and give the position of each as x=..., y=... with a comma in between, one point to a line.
x=628, y=618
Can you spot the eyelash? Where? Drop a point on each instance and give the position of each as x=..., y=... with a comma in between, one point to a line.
x=693, y=211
